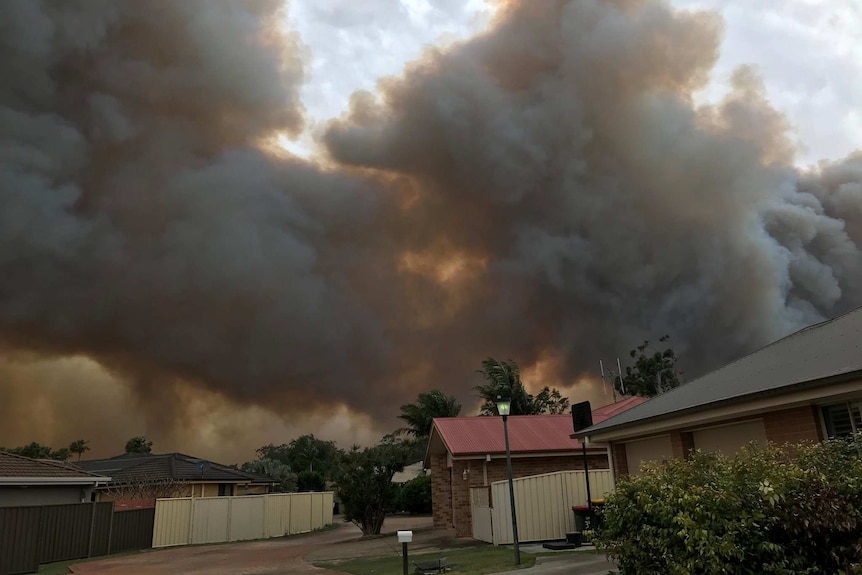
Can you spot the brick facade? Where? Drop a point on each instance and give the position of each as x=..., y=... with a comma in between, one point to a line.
x=448, y=494
x=793, y=425
x=783, y=426
x=620, y=459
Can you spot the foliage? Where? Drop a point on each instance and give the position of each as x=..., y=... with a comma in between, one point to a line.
x=428, y=405
x=38, y=451
x=363, y=480
x=310, y=481
x=654, y=371
x=139, y=444
x=305, y=453
x=275, y=470
x=416, y=495
x=795, y=510
x=475, y=560
x=79, y=447
x=503, y=379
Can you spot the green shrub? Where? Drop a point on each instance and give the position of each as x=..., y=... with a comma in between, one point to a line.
x=310, y=481
x=795, y=511
x=416, y=495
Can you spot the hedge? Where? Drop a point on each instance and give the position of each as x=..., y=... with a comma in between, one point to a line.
x=794, y=510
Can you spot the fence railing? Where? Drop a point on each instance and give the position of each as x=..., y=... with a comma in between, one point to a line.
x=543, y=504
x=30, y=536
x=186, y=520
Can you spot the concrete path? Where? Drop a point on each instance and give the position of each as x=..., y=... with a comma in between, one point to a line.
x=269, y=557
x=574, y=564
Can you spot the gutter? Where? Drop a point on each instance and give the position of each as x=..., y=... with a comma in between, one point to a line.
x=13, y=481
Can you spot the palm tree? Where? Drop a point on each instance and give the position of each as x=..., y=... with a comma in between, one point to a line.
x=420, y=414
x=503, y=379
x=79, y=446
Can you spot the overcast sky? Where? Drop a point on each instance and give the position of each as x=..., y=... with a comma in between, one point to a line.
x=809, y=53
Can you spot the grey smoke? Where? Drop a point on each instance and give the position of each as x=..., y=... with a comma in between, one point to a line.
x=555, y=164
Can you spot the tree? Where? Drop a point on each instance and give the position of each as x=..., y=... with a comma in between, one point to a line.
x=420, y=414
x=415, y=495
x=38, y=451
x=503, y=379
x=79, y=447
x=275, y=470
x=310, y=481
x=654, y=371
x=139, y=444
x=305, y=453
x=364, y=485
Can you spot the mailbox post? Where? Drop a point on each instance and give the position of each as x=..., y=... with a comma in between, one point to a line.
x=405, y=537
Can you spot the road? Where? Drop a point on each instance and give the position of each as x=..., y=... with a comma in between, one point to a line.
x=270, y=557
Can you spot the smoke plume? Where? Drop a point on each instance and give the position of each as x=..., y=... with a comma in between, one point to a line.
x=547, y=192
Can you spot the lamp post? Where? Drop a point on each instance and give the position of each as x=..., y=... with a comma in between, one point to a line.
x=503, y=407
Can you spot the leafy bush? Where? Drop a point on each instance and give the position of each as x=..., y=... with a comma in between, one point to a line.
x=795, y=510
x=310, y=481
x=416, y=495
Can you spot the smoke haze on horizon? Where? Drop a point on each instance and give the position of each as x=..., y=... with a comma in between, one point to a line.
x=549, y=191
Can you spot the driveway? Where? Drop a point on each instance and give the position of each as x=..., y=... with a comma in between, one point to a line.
x=269, y=557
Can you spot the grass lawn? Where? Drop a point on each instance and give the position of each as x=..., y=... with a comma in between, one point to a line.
x=476, y=560
x=59, y=568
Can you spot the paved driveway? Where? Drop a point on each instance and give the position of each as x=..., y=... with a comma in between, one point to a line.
x=271, y=557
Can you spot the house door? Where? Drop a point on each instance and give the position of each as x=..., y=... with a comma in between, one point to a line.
x=480, y=506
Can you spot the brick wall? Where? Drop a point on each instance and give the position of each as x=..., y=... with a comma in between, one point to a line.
x=793, y=425
x=440, y=493
x=496, y=471
x=681, y=442
x=621, y=462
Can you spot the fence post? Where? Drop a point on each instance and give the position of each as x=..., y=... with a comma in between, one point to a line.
x=192, y=517
x=229, y=515
x=265, y=529
x=111, y=529
x=92, y=528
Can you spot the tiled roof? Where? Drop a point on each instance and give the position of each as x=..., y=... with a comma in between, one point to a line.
x=16, y=466
x=483, y=435
x=168, y=466
x=831, y=349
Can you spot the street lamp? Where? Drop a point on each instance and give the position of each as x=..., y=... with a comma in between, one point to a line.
x=503, y=407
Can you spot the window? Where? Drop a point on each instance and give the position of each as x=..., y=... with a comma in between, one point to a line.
x=225, y=489
x=843, y=419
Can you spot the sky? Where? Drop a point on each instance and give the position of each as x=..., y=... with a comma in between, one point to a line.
x=165, y=276
x=808, y=53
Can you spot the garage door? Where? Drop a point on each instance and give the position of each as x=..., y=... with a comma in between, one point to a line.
x=728, y=439
x=643, y=450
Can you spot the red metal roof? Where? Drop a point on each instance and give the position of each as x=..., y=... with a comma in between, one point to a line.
x=527, y=433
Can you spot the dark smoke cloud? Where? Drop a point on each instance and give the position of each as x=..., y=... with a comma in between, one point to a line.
x=546, y=192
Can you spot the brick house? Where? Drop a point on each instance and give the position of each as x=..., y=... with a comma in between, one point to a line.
x=806, y=386
x=467, y=452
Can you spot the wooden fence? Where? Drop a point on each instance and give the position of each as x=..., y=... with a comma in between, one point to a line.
x=186, y=520
x=544, y=504
x=30, y=536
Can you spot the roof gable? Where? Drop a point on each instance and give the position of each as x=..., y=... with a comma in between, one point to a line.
x=528, y=434
x=18, y=466
x=817, y=353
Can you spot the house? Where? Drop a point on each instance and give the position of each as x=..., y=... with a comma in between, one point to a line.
x=25, y=481
x=470, y=452
x=140, y=478
x=806, y=386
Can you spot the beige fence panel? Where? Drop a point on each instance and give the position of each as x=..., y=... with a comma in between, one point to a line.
x=172, y=525
x=208, y=519
x=328, y=505
x=278, y=515
x=185, y=520
x=247, y=519
x=544, y=504
x=300, y=513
